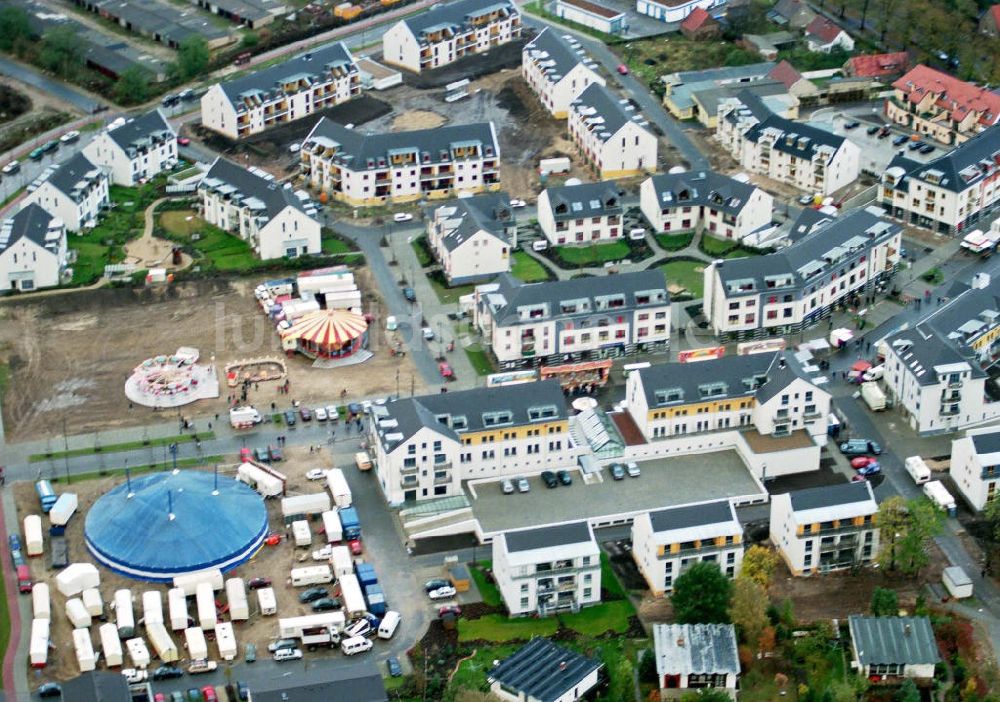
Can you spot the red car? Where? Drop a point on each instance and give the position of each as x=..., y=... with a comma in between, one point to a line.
x=273, y=539
x=445, y=369
x=256, y=583
x=24, y=584
x=623, y=69
x=858, y=478
x=861, y=462
x=355, y=546
x=209, y=692
x=183, y=141
x=245, y=455
x=449, y=609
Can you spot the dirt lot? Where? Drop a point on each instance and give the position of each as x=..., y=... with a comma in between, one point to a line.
x=62, y=368
x=471, y=67
x=273, y=562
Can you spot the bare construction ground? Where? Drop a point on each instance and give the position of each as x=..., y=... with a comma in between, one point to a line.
x=63, y=366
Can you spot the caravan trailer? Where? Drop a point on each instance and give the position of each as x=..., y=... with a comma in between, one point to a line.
x=85, y=657
x=266, y=601
x=93, y=602
x=111, y=645
x=178, y=606
x=189, y=581
x=41, y=605
x=38, y=647
x=236, y=594
x=33, y=542
x=197, y=648
x=124, y=616
x=152, y=607
x=163, y=644
x=205, y=600
x=138, y=653
x=225, y=639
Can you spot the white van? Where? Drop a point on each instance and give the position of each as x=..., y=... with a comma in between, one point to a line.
x=355, y=644
x=917, y=469
x=390, y=622
x=539, y=245
x=637, y=234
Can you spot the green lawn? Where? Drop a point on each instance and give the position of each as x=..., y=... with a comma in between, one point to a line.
x=538, y=8
x=448, y=296
x=724, y=248
x=501, y=629
x=196, y=462
x=214, y=248
x=480, y=360
x=689, y=274
x=128, y=446
x=651, y=58
x=527, y=269
x=609, y=581
x=593, y=255
x=335, y=246
x=488, y=591
x=601, y=618
x=674, y=242
x=471, y=673
x=423, y=252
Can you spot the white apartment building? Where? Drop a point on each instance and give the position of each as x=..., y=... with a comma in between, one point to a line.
x=32, y=250
x=377, y=169
x=583, y=318
x=448, y=32
x=259, y=210
x=285, y=92
x=671, y=11
x=950, y=193
x=793, y=288
x=557, y=69
x=668, y=542
x=805, y=157
x=975, y=465
x=75, y=193
x=716, y=204
x=546, y=569
x=472, y=237
x=135, y=151
x=425, y=447
x=691, y=656
x=825, y=528
x=584, y=214
x=611, y=136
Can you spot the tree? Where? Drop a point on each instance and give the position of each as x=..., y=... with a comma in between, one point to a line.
x=992, y=510
x=60, y=50
x=192, y=56
x=132, y=86
x=749, y=611
x=14, y=27
x=759, y=563
x=647, y=666
x=892, y=521
x=907, y=692
x=250, y=40
x=885, y=603
x=701, y=595
x=926, y=520
x=707, y=694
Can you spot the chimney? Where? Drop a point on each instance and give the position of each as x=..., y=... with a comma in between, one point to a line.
x=781, y=362
x=562, y=666
x=907, y=629
x=980, y=281
x=680, y=641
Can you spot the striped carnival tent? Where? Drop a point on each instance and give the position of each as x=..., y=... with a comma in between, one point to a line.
x=326, y=334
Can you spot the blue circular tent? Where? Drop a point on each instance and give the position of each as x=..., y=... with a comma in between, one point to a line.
x=166, y=524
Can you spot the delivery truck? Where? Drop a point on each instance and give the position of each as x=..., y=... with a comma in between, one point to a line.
x=63, y=509
x=375, y=599
x=138, y=653
x=77, y=613
x=41, y=605
x=38, y=646
x=336, y=483
x=236, y=595
x=197, y=647
x=46, y=495
x=351, y=523
x=939, y=495
x=362, y=460
x=302, y=506
x=162, y=642
x=873, y=396
x=33, y=543
x=178, y=606
x=189, y=581
x=111, y=645
x=225, y=640
x=320, y=637
x=244, y=417
x=152, y=607
x=266, y=601
x=85, y=658
x=917, y=469
x=311, y=575
x=301, y=533
x=293, y=627
x=351, y=597
x=124, y=615
x=331, y=527
x=205, y=599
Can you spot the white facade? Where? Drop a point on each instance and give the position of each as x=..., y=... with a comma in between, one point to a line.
x=556, y=72
x=610, y=136
x=473, y=237
x=827, y=42
x=32, y=250
x=135, y=151
x=671, y=12
x=75, y=193
x=585, y=214
x=975, y=466
x=590, y=13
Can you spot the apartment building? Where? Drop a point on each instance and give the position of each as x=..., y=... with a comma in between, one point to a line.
x=939, y=105
x=583, y=214
x=668, y=542
x=680, y=87
x=612, y=137
x=694, y=656
x=583, y=318
x=136, y=150
x=557, y=69
x=950, y=193
x=757, y=391
x=377, y=169
x=805, y=157
x=282, y=93
x=544, y=570
x=826, y=528
x=671, y=11
x=728, y=208
x=32, y=250
x=269, y=217
x=472, y=237
x=793, y=288
x=424, y=447
x=76, y=193
x=448, y=32
x=975, y=466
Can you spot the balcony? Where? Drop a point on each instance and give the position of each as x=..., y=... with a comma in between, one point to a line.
x=408, y=481
x=409, y=469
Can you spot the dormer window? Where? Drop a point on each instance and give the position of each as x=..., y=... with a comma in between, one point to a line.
x=496, y=419
x=543, y=412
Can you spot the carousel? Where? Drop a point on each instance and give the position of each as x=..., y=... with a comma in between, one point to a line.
x=326, y=334
x=172, y=381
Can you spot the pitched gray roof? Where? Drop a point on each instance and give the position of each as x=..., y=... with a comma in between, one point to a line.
x=723, y=74
x=73, y=174
x=555, y=54
x=543, y=671
x=986, y=443
x=692, y=649
x=830, y=496
x=921, y=349
x=961, y=168
x=455, y=15
x=689, y=516
x=585, y=200
x=547, y=537
x=142, y=131
x=597, y=101
x=489, y=212
x=798, y=139
x=247, y=189
x=697, y=188
x=97, y=686
x=31, y=223
x=719, y=379
x=893, y=640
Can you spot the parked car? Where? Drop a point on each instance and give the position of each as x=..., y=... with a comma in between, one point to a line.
x=442, y=593
x=506, y=486
x=435, y=584
x=194, y=695
x=255, y=583
x=410, y=294
x=926, y=149
x=275, y=646
x=402, y=217
x=914, y=145
x=183, y=141
x=523, y=485
x=872, y=130
x=251, y=653
x=320, y=414
x=243, y=690
x=395, y=669
x=857, y=447
x=355, y=546
x=564, y=477
x=428, y=333
x=617, y=471
x=514, y=202
x=445, y=370
x=288, y=654
x=167, y=672
x=901, y=139
x=23, y=575
x=852, y=125
x=290, y=419
x=50, y=690
x=262, y=454
x=622, y=69
x=14, y=542
x=450, y=609
x=323, y=554
x=326, y=604
x=245, y=455
x=11, y=168
x=871, y=469
x=312, y=594
x=806, y=200
x=306, y=414
x=332, y=413
x=277, y=455
x=134, y=675
x=549, y=478
x=209, y=692
x=50, y=146
x=861, y=461
x=632, y=468
x=70, y=137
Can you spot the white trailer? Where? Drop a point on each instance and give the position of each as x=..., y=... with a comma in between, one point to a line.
x=343, y=564
x=77, y=613
x=34, y=544
x=124, y=616
x=340, y=491
x=205, y=598
x=178, y=606
x=236, y=594
x=957, y=582
x=93, y=602
x=138, y=653
x=342, y=299
x=302, y=533
x=917, y=469
x=196, y=647
x=111, y=645
x=163, y=644
x=152, y=607
x=77, y=577
x=85, y=657
x=269, y=483
x=873, y=396
x=351, y=596
x=267, y=602
x=332, y=527
x=41, y=605
x=38, y=648
x=189, y=581
x=312, y=575
x=315, y=503
x=293, y=627
x=939, y=495
x=63, y=509
x=554, y=165
x=225, y=639
x=244, y=417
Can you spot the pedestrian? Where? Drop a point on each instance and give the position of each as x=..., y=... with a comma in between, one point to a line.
x=310, y=448
x=216, y=416
x=210, y=426
x=982, y=573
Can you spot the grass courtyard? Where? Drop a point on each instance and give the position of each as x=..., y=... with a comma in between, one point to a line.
x=593, y=255
x=687, y=273
x=525, y=268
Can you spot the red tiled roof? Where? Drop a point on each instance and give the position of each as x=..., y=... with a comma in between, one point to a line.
x=786, y=74
x=995, y=11
x=593, y=8
x=823, y=29
x=955, y=96
x=696, y=20
x=879, y=65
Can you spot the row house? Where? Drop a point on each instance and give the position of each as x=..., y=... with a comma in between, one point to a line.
x=32, y=250
x=425, y=447
x=828, y=528
x=557, y=69
x=614, y=139
x=543, y=570
x=583, y=214
x=975, y=466
x=135, y=150
x=800, y=155
x=377, y=169
x=578, y=319
x=473, y=237
x=446, y=33
x=76, y=193
x=667, y=542
x=728, y=208
x=269, y=217
x=795, y=287
x=936, y=104
x=285, y=92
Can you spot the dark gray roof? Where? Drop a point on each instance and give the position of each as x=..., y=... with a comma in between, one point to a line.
x=697, y=188
x=360, y=150
x=489, y=212
x=987, y=443
x=693, y=649
x=74, y=174
x=597, y=101
x=585, y=200
x=543, y=671
x=808, y=220
x=961, y=168
x=723, y=74
x=548, y=537
x=169, y=24
x=893, y=640
x=719, y=379
x=31, y=223
x=710, y=97
x=921, y=349
x=252, y=10
x=314, y=66
x=455, y=15
x=692, y=515
x=97, y=686
x=352, y=683
x=796, y=138
x=142, y=131
x=554, y=53
x=830, y=496
x=248, y=189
